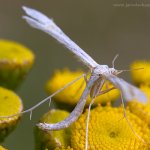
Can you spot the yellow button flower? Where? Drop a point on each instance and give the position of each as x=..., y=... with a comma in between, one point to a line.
x=15, y=62
x=10, y=104
x=108, y=130
x=142, y=111
x=71, y=95
x=143, y=75
x=2, y=148
x=51, y=139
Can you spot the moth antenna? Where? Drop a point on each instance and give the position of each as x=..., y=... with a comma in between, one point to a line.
x=125, y=116
x=44, y=100
x=120, y=71
x=30, y=114
x=114, y=59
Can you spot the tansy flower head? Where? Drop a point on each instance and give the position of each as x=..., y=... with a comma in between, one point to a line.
x=2, y=148
x=141, y=76
x=71, y=95
x=15, y=62
x=10, y=104
x=108, y=130
x=142, y=111
x=51, y=139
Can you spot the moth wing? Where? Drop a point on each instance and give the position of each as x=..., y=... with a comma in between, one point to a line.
x=129, y=92
x=39, y=21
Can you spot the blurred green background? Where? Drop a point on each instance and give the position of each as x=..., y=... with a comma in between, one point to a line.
x=99, y=27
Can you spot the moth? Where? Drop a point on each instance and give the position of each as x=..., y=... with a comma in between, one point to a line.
x=99, y=73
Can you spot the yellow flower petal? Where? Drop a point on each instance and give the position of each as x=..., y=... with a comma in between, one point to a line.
x=71, y=95
x=10, y=104
x=109, y=131
x=15, y=62
x=141, y=76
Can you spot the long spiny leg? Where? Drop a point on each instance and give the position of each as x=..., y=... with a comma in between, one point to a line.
x=96, y=88
x=88, y=115
x=87, y=124
x=85, y=77
x=125, y=116
x=44, y=100
x=85, y=81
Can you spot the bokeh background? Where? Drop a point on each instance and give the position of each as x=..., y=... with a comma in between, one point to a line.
x=102, y=28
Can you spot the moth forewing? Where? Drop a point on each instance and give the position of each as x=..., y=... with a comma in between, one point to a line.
x=129, y=92
x=37, y=15
x=42, y=22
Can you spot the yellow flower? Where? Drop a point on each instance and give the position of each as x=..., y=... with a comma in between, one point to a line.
x=52, y=139
x=109, y=131
x=71, y=95
x=141, y=76
x=15, y=62
x=142, y=111
x=2, y=148
x=10, y=104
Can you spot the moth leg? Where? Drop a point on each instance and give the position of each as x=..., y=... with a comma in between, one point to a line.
x=80, y=87
x=85, y=81
x=85, y=78
x=87, y=123
x=77, y=111
x=125, y=116
x=96, y=89
x=44, y=100
x=105, y=91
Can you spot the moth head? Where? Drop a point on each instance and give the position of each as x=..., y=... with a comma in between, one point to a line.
x=115, y=71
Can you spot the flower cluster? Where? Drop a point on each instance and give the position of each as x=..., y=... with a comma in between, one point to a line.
x=108, y=127
x=15, y=62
